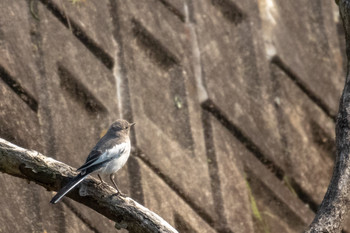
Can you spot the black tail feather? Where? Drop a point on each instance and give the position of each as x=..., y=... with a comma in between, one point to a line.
x=63, y=191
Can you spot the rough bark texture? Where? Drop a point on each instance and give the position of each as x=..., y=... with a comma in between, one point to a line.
x=335, y=205
x=52, y=175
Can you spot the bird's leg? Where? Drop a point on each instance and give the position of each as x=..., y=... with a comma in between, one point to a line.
x=100, y=178
x=102, y=182
x=116, y=187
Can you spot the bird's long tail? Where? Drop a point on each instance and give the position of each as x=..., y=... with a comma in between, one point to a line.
x=74, y=182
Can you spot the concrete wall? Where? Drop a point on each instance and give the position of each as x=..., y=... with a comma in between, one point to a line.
x=234, y=103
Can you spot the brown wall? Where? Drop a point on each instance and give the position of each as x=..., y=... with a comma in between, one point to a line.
x=234, y=103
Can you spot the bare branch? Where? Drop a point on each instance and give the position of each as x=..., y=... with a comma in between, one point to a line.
x=52, y=175
x=335, y=205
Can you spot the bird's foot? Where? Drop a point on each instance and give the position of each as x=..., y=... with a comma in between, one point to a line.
x=120, y=194
x=102, y=185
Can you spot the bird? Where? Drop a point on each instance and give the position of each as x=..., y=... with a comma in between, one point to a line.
x=106, y=158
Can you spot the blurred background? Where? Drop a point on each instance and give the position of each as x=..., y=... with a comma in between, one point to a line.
x=234, y=104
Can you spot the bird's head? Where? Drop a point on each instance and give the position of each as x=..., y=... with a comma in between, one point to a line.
x=120, y=126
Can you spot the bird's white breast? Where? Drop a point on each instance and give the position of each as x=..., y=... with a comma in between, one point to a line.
x=120, y=153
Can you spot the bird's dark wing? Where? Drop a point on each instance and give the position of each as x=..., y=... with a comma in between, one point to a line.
x=109, y=154
x=93, y=156
x=106, y=143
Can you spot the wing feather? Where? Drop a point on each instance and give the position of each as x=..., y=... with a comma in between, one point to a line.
x=93, y=156
x=104, y=157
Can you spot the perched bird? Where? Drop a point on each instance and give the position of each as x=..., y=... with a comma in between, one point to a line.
x=106, y=158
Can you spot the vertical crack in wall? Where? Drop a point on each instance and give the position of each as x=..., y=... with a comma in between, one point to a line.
x=213, y=169
x=268, y=15
x=202, y=96
x=45, y=113
x=196, y=55
x=124, y=100
x=120, y=72
x=118, y=79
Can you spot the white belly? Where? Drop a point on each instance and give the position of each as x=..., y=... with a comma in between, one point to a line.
x=118, y=162
x=114, y=165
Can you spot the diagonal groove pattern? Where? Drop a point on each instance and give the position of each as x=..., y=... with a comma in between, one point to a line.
x=79, y=92
x=19, y=90
x=173, y=10
x=153, y=47
x=297, y=80
x=199, y=210
x=210, y=106
x=181, y=225
x=98, y=52
x=80, y=216
x=306, y=198
x=322, y=139
x=229, y=10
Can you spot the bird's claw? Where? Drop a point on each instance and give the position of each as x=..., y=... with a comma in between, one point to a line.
x=102, y=185
x=119, y=194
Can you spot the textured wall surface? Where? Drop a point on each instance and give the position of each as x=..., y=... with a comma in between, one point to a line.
x=234, y=104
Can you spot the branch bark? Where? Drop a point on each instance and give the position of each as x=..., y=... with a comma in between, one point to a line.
x=335, y=205
x=52, y=175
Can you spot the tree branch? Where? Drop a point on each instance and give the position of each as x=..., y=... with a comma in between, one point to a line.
x=52, y=175
x=335, y=205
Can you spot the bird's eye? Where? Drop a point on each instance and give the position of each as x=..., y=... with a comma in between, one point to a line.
x=126, y=127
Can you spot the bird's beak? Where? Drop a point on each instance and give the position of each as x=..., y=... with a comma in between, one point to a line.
x=131, y=124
